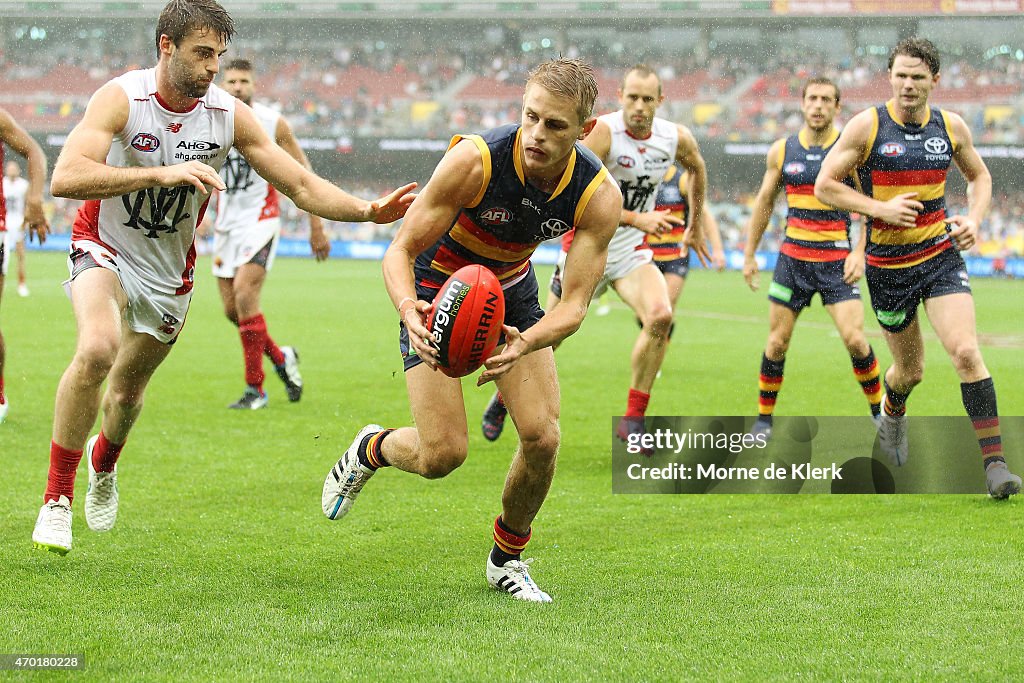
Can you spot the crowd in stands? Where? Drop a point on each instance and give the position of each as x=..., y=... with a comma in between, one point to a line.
x=373, y=88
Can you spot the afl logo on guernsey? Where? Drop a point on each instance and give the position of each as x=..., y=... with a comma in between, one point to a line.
x=936, y=145
x=892, y=149
x=794, y=167
x=145, y=142
x=626, y=161
x=496, y=216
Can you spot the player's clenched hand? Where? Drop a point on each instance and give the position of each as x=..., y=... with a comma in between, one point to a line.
x=750, y=272
x=853, y=267
x=901, y=210
x=419, y=336
x=500, y=363
x=194, y=173
x=656, y=222
x=35, y=220
x=390, y=208
x=965, y=232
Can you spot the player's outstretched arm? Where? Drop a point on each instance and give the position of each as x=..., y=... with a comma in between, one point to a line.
x=849, y=152
x=455, y=183
x=285, y=139
x=979, y=184
x=21, y=142
x=771, y=185
x=714, y=237
x=309, y=191
x=81, y=171
x=584, y=267
x=689, y=157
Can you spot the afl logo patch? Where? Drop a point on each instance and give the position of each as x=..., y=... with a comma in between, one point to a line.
x=936, y=145
x=496, y=216
x=145, y=142
x=892, y=149
x=793, y=168
x=626, y=161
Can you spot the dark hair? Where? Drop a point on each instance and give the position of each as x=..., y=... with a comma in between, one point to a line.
x=643, y=71
x=570, y=78
x=820, y=80
x=918, y=48
x=238, y=64
x=179, y=17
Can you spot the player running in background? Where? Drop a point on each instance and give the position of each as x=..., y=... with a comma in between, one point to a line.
x=668, y=248
x=637, y=148
x=246, y=232
x=816, y=256
x=492, y=200
x=145, y=159
x=32, y=216
x=14, y=192
x=902, y=151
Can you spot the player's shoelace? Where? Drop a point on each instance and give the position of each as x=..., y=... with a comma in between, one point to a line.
x=60, y=522
x=106, y=484
x=518, y=572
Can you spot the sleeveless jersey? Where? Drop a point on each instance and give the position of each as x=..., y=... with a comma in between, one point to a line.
x=248, y=197
x=509, y=217
x=638, y=167
x=152, y=231
x=814, y=231
x=671, y=195
x=908, y=158
x=14, y=192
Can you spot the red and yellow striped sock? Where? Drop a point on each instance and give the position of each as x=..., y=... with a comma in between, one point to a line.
x=867, y=374
x=508, y=545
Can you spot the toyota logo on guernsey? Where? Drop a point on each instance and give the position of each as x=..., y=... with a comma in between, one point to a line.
x=146, y=142
x=496, y=215
x=626, y=161
x=892, y=149
x=936, y=145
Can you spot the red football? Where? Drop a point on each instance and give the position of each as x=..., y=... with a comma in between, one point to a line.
x=466, y=319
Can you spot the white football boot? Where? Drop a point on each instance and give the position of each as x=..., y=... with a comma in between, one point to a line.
x=346, y=478
x=514, y=578
x=892, y=438
x=101, y=496
x=53, y=527
x=289, y=373
x=1001, y=482
x=3, y=411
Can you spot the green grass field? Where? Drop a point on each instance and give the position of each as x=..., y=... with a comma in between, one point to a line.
x=222, y=566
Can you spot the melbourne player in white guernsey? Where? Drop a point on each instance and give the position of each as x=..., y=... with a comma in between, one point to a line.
x=637, y=149
x=246, y=233
x=145, y=159
x=26, y=210
x=14, y=192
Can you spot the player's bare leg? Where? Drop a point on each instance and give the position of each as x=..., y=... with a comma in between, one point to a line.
x=433, y=448
x=19, y=252
x=3, y=355
x=848, y=317
x=98, y=302
x=531, y=390
x=674, y=283
x=953, y=319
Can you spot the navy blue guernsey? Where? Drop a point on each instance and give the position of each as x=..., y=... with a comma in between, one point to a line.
x=509, y=217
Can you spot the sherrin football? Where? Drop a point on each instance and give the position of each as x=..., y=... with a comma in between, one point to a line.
x=466, y=319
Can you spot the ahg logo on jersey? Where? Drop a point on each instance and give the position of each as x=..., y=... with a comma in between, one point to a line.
x=167, y=207
x=146, y=142
x=198, y=150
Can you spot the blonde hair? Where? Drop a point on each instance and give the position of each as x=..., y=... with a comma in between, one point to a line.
x=569, y=78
